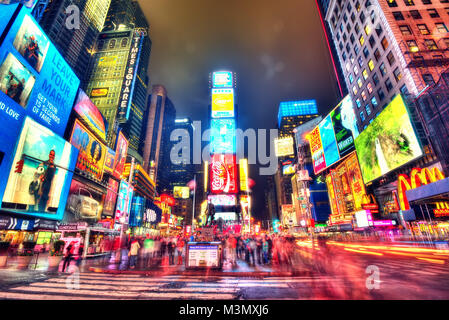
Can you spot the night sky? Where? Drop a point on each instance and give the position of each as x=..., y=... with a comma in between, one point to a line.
x=277, y=48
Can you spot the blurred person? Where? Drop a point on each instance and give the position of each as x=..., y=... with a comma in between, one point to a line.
x=180, y=248
x=265, y=250
x=171, y=251
x=133, y=252
x=70, y=250
x=259, y=250
x=252, y=246
x=148, y=245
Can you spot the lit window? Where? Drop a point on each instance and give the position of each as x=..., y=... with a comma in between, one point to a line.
x=441, y=27
x=354, y=90
x=405, y=29
x=409, y=3
x=356, y=70
x=367, y=30
x=385, y=43
x=359, y=82
x=430, y=44
x=374, y=101
x=423, y=29
x=359, y=104
x=362, y=40
x=369, y=86
x=412, y=46
x=348, y=66
x=364, y=95
x=365, y=74
x=397, y=74
x=371, y=65
x=368, y=109
x=362, y=116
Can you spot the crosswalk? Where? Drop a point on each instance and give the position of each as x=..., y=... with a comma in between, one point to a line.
x=99, y=286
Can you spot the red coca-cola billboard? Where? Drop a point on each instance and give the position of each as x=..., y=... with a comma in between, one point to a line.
x=223, y=173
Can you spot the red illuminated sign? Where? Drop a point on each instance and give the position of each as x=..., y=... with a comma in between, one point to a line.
x=168, y=200
x=441, y=212
x=223, y=174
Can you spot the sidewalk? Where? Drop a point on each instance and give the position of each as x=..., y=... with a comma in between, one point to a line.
x=242, y=269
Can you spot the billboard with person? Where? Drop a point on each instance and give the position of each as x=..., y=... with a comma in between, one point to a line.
x=41, y=186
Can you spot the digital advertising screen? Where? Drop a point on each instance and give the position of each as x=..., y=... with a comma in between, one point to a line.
x=42, y=187
x=222, y=199
x=85, y=202
x=121, y=152
x=345, y=126
x=109, y=161
x=111, y=197
x=181, y=192
x=284, y=147
x=329, y=143
x=124, y=200
x=223, y=174
x=35, y=80
x=388, y=142
x=203, y=255
x=222, y=79
x=288, y=169
x=90, y=114
x=223, y=103
x=243, y=169
x=222, y=136
x=92, y=152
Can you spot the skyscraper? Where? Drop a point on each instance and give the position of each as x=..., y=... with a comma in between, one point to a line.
x=294, y=113
x=76, y=43
x=118, y=73
x=388, y=47
x=159, y=122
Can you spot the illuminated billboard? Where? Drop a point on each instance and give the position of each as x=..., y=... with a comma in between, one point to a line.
x=222, y=103
x=111, y=197
x=316, y=149
x=327, y=135
x=85, y=202
x=222, y=200
x=223, y=174
x=243, y=168
x=222, y=79
x=124, y=200
x=121, y=152
x=35, y=80
x=284, y=146
x=91, y=151
x=99, y=92
x=109, y=161
x=288, y=169
x=181, y=192
x=42, y=186
x=388, y=142
x=90, y=114
x=222, y=136
x=345, y=126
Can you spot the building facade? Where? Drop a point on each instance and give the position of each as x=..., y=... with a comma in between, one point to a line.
x=388, y=47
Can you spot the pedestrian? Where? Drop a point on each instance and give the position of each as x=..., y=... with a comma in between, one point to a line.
x=265, y=250
x=180, y=248
x=252, y=246
x=259, y=250
x=148, y=245
x=80, y=254
x=163, y=247
x=171, y=251
x=68, y=255
x=133, y=252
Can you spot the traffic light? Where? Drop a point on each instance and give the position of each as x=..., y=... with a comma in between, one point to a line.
x=19, y=166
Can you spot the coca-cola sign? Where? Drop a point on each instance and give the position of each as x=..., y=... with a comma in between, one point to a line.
x=223, y=173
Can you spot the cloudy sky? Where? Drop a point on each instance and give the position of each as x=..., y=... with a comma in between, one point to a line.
x=276, y=47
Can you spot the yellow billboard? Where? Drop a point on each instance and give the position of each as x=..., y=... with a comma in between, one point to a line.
x=181, y=192
x=243, y=166
x=107, y=61
x=283, y=146
x=222, y=103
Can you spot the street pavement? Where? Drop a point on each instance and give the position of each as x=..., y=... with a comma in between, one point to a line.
x=338, y=271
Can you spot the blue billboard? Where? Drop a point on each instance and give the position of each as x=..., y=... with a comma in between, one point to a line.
x=222, y=79
x=222, y=136
x=35, y=80
x=327, y=134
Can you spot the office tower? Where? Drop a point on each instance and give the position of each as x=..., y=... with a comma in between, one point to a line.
x=158, y=125
x=388, y=47
x=118, y=76
x=76, y=43
x=294, y=113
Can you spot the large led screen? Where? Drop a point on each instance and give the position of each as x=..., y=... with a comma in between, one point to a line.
x=222, y=103
x=90, y=114
x=328, y=140
x=222, y=79
x=121, y=151
x=222, y=200
x=85, y=202
x=35, y=80
x=388, y=142
x=223, y=173
x=222, y=137
x=42, y=187
x=345, y=126
x=316, y=149
x=284, y=147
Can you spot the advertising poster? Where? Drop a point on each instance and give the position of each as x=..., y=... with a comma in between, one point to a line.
x=355, y=180
x=284, y=146
x=222, y=103
x=388, y=142
x=345, y=126
x=223, y=174
x=222, y=200
x=222, y=136
x=181, y=192
x=331, y=194
x=243, y=168
x=42, y=187
x=34, y=76
x=85, y=202
x=328, y=140
x=288, y=169
x=91, y=151
x=111, y=197
x=120, y=155
x=90, y=114
x=316, y=149
x=124, y=200
x=288, y=215
x=99, y=92
x=109, y=161
x=222, y=79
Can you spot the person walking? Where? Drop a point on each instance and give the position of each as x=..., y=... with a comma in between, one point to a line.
x=252, y=249
x=68, y=256
x=148, y=245
x=180, y=248
x=171, y=251
x=133, y=252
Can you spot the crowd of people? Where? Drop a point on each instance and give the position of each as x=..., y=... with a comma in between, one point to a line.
x=149, y=251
